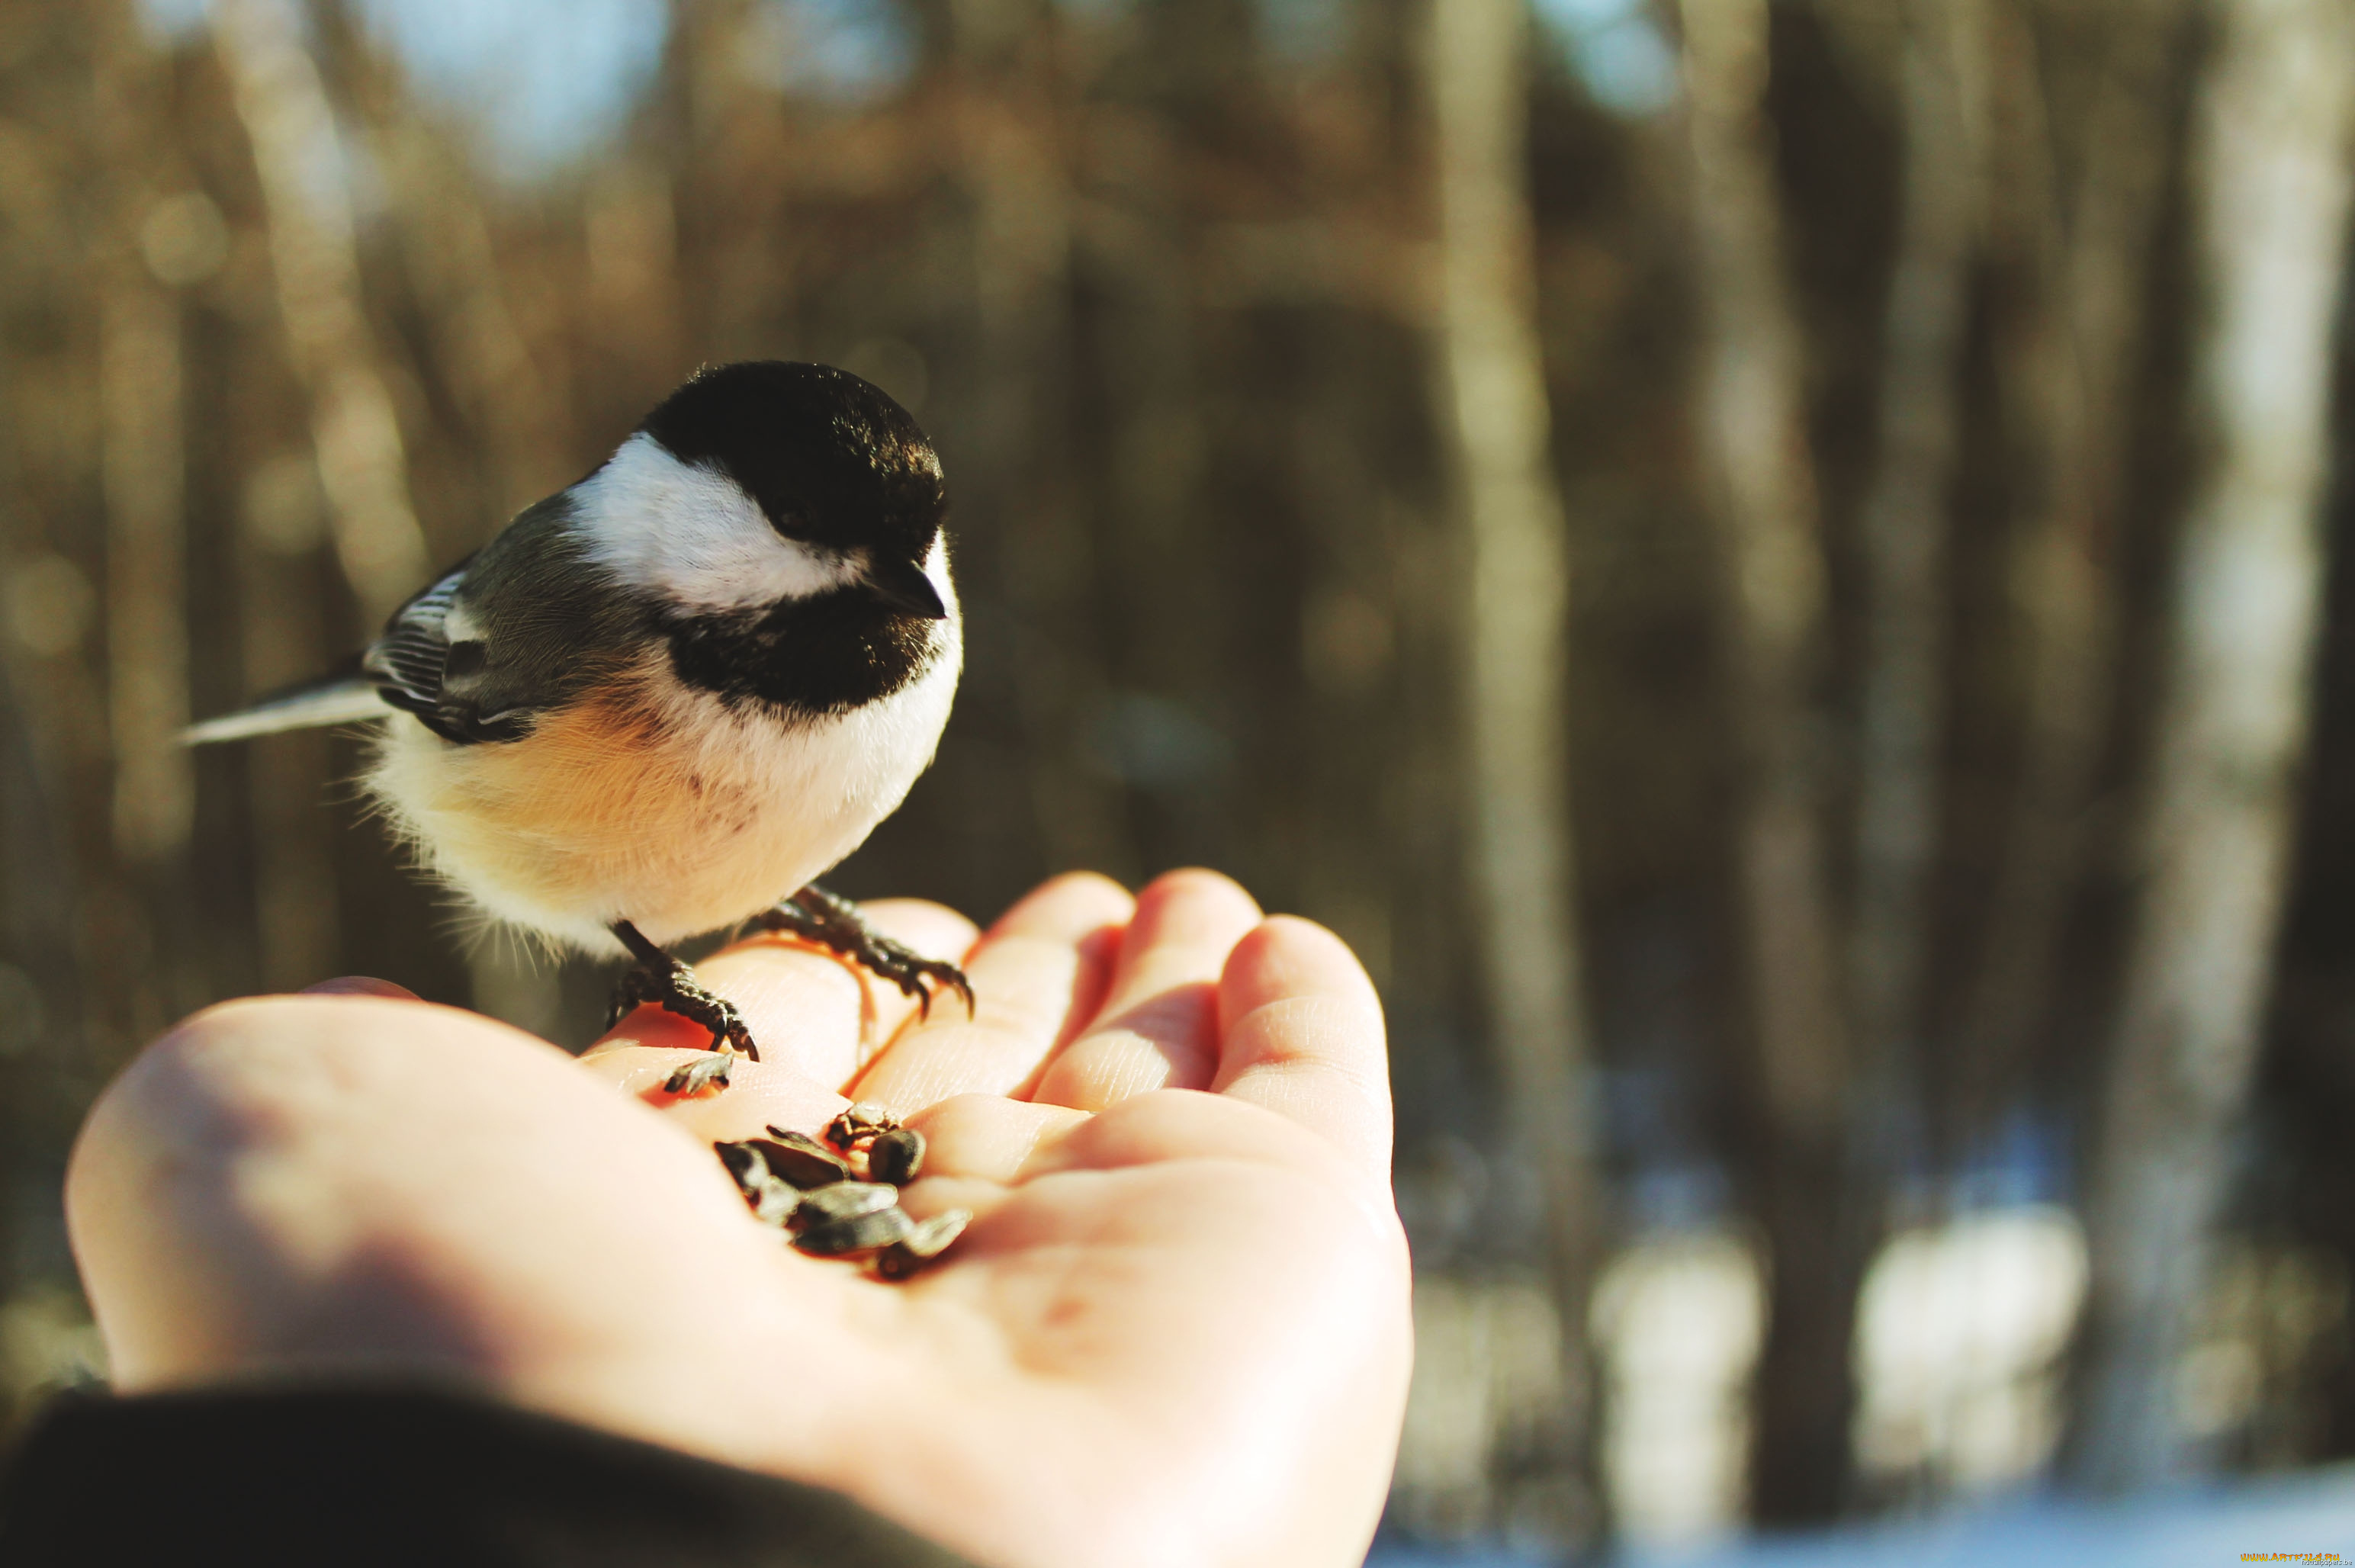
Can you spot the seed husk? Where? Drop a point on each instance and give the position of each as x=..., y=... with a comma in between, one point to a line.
x=776, y=1204
x=896, y=1156
x=800, y=1159
x=856, y=1234
x=773, y=1201
x=744, y=1163
x=797, y=1140
x=843, y=1201
x=707, y=1072
x=859, y=1123
x=926, y=1241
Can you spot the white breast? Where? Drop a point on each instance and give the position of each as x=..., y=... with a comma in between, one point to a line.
x=660, y=805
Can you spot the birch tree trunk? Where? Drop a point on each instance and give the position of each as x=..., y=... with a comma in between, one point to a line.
x=1904, y=527
x=1755, y=440
x=1495, y=424
x=314, y=252
x=2271, y=187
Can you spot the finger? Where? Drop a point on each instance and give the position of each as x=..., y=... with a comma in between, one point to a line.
x=1157, y=1028
x=933, y=930
x=1300, y=1032
x=759, y=1094
x=360, y=986
x=986, y=1137
x=1038, y=976
x=809, y=1008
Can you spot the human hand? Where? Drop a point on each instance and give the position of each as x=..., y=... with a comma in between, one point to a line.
x=1176, y=1331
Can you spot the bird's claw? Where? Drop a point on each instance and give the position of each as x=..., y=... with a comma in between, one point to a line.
x=659, y=978
x=817, y=916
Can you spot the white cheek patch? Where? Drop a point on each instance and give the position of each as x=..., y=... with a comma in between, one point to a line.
x=936, y=567
x=690, y=534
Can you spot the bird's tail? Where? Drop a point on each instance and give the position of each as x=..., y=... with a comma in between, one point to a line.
x=343, y=697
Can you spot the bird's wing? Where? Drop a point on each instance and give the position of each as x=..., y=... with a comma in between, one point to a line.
x=408, y=662
x=477, y=655
x=404, y=669
x=422, y=664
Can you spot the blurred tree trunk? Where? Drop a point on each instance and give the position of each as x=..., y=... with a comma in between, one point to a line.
x=315, y=252
x=1941, y=74
x=141, y=469
x=146, y=621
x=284, y=638
x=1007, y=156
x=53, y=753
x=2069, y=372
x=142, y=455
x=45, y=998
x=1496, y=427
x=1753, y=435
x=518, y=420
x=2271, y=187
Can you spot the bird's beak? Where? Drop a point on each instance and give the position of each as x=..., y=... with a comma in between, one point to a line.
x=904, y=586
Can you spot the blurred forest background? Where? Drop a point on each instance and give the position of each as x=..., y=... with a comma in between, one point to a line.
x=1769, y=565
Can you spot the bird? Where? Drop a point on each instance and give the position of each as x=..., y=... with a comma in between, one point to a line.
x=663, y=701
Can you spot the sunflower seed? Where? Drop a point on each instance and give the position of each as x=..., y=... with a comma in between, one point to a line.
x=843, y=1201
x=796, y=1139
x=927, y=1241
x=856, y=1234
x=800, y=1159
x=897, y=1157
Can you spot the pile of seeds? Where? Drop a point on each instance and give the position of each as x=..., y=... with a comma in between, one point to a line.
x=840, y=1198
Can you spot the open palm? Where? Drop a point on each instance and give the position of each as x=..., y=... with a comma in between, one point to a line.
x=1175, y=1333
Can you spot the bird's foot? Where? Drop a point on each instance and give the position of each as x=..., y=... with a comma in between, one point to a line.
x=659, y=978
x=817, y=916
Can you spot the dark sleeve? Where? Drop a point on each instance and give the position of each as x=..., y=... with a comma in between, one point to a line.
x=375, y=1476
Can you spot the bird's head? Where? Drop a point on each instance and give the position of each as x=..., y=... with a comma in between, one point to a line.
x=761, y=483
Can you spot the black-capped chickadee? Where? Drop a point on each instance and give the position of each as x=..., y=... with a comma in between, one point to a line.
x=683, y=686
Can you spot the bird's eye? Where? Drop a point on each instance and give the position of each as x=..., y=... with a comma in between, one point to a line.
x=462, y=660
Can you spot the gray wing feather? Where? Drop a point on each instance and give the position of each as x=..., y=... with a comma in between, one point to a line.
x=402, y=669
x=407, y=662
x=538, y=628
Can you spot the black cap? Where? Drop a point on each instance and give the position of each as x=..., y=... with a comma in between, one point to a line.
x=829, y=458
